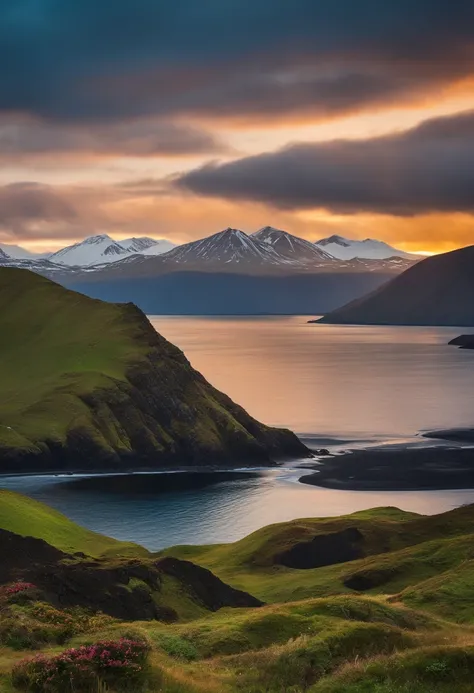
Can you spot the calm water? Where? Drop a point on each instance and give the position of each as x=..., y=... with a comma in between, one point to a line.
x=220, y=512
x=359, y=385
x=350, y=381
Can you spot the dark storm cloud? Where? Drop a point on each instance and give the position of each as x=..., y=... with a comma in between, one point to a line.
x=83, y=59
x=429, y=168
x=135, y=138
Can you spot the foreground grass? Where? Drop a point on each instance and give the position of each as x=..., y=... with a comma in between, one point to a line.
x=324, y=646
x=410, y=631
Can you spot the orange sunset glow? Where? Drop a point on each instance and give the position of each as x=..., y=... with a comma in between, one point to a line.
x=178, y=145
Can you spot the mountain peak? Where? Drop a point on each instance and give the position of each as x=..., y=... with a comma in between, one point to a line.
x=229, y=231
x=338, y=240
x=99, y=238
x=293, y=248
x=93, y=250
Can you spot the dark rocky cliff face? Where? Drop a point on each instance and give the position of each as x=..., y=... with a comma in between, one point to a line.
x=158, y=412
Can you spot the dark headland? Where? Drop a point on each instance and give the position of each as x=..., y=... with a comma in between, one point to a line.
x=436, y=291
x=464, y=341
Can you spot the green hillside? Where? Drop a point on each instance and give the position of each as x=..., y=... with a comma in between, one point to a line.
x=88, y=384
x=396, y=550
x=30, y=518
x=400, y=619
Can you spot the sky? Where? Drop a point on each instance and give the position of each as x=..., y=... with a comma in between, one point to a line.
x=178, y=119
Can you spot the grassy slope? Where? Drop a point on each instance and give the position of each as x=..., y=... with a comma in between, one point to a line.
x=414, y=633
x=89, y=381
x=402, y=549
x=49, y=360
x=28, y=517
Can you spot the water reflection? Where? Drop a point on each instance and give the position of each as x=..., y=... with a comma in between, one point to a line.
x=337, y=380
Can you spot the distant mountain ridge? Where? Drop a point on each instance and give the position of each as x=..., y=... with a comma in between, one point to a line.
x=436, y=291
x=230, y=272
x=370, y=249
x=267, y=247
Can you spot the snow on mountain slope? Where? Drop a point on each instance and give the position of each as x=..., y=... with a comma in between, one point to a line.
x=161, y=246
x=347, y=249
x=16, y=251
x=294, y=248
x=147, y=246
x=230, y=246
x=91, y=251
x=38, y=265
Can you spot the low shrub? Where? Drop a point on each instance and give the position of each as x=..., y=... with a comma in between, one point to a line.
x=70, y=621
x=176, y=646
x=25, y=634
x=31, y=626
x=121, y=664
x=17, y=587
x=19, y=593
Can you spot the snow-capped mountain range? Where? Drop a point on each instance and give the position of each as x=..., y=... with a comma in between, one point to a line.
x=102, y=249
x=369, y=249
x=234, y=247
x=268, y=249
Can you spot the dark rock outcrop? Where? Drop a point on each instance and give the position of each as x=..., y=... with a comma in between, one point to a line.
x=324, y=549
x=207, y=589
x=371, y=578
x=128, y=589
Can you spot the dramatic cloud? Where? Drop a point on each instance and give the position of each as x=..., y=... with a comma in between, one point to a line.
x=120, y=139
x=85, y=60
x=22, y=203
x=428, y=168
x=49, y=217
